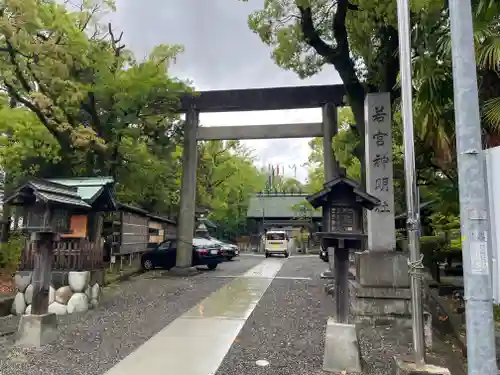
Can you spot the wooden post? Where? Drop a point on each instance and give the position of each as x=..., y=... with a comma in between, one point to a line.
x=43, y=245
x=341, y=265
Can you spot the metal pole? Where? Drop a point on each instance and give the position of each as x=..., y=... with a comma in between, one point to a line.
x=473, y=202
x=412, y=203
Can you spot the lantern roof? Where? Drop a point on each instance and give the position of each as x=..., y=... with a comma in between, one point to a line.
x=320, y=198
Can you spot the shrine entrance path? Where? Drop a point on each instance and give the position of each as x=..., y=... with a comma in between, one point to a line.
x=130, y=314
x=253, y=316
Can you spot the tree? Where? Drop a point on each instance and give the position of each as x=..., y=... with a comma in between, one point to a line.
x=433, y=83
x=359, y=38
x=89, y=92
x=95, y=109
x=227, y=177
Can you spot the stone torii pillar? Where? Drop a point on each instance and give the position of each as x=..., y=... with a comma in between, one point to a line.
x=330, y=165
x=330, y=130
x=185, y=225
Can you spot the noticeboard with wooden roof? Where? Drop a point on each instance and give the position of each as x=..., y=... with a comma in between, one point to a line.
x=343, y=201
x=47, y=206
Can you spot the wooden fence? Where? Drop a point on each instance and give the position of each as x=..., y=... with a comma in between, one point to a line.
x=69, y=254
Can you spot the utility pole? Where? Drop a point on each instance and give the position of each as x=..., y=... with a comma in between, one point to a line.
x=474, y=217
x=412, y=198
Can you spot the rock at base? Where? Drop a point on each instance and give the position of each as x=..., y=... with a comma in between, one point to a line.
x=28, y=310
x=78, y=281
x=28, y=294
x=78, y=303
x=58, y=308
x=36, y=330
x=95, y=292
x=19, y=304
x=52, y=294
x=22, y=279
x=405, y=366
x=341, y=348
x=63, y=295
x=94, y=303
x=88, y=293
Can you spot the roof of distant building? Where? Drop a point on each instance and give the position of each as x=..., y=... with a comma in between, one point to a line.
x=279, y=205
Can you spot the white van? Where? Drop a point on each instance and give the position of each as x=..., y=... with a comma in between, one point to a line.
x=276, y=242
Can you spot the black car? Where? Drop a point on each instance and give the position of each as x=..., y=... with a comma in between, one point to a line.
x=229, y=251
x=205, y=253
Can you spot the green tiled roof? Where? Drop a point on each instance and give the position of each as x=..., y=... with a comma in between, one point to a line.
x=277, y=206
x=88, y=187
x=84, y=181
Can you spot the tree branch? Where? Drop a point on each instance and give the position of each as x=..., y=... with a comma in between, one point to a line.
x=312, y=36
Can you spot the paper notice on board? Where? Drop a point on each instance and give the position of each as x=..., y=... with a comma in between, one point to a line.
x=479, y=258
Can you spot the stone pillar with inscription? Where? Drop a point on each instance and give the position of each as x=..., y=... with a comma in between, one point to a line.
x=381, y=286
x=379, y=172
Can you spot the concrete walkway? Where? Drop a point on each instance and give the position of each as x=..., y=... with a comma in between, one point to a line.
x=205, y=332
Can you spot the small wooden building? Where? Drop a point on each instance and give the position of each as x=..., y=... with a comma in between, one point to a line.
x=64, y=202
x=132, y=230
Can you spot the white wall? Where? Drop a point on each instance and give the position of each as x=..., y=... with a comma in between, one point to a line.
x=493, y=177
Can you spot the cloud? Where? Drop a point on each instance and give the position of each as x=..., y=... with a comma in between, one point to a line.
x=221, y=53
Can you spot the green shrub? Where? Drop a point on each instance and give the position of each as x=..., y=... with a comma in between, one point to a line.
x=10, y=253
x=496, y=313
x=430, y=247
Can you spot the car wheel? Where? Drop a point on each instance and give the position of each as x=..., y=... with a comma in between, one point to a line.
x=267, y=255
x=287, y=255
x=211, y=267
x=147, y=265
x=229, y=259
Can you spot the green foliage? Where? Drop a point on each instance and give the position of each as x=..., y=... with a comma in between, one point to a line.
x=10, y=253
x=80, y=104
x=227, y=178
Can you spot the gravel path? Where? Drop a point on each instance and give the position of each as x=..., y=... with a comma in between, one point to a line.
x=287, y=326
x=130, y=314
x=287, y=329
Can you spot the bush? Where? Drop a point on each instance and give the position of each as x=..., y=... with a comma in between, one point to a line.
x=496, y=313
x=10, y=253
x=431, y=247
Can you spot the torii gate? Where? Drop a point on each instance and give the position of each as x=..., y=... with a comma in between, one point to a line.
x=327, y=97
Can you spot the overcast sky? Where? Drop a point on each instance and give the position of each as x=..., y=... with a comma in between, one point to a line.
x=221, y=53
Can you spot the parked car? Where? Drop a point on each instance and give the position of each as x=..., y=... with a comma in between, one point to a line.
x=205, y=253
x=229, y=251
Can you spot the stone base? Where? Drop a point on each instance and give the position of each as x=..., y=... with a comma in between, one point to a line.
x=406, y=366
x=36, y=330
x=382, y=269
x=341, y=348
x=183, y=271
x=379, y=305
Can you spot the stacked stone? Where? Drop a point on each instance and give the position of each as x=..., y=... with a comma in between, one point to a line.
x=70, y=293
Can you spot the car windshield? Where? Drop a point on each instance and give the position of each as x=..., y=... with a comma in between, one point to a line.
x=216, y=241
x=202, y=242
